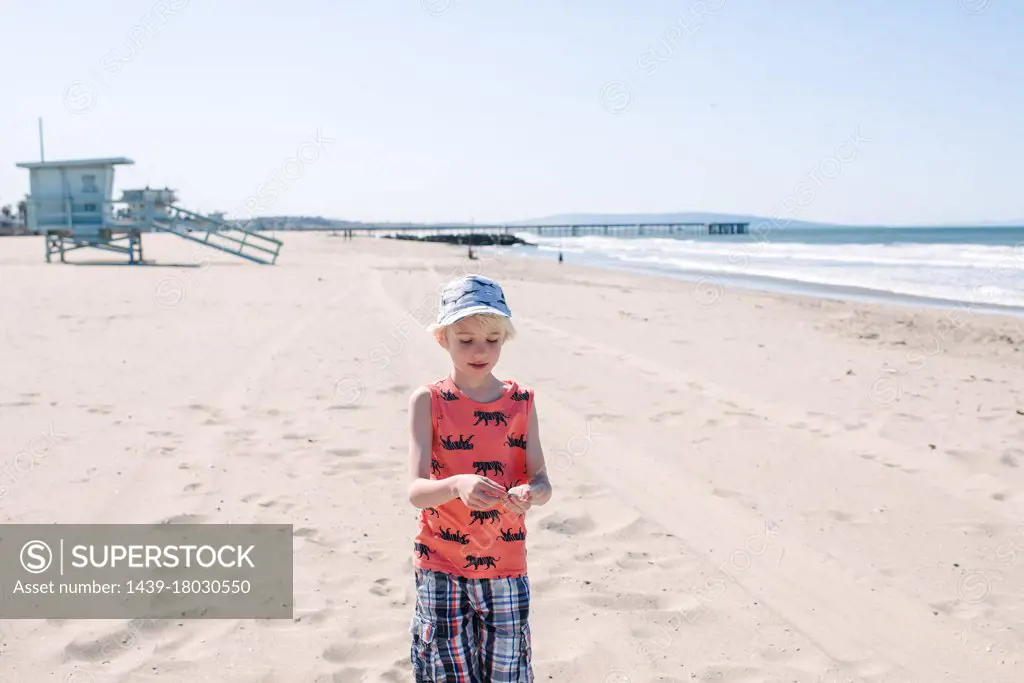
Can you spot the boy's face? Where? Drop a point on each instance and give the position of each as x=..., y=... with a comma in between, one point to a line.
x=474, y=347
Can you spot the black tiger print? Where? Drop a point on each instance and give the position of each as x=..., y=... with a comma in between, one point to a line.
x=484, y=416
x=453, y=536
x=482, y=515
x=486, y=466
x=478, y=562
x=463, y=444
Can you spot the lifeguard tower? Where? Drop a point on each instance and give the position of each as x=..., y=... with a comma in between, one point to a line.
x=71, y=204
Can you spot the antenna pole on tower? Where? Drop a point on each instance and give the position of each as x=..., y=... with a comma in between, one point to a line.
x=42, y=155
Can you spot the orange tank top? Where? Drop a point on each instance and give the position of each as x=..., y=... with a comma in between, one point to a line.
x=476, y=438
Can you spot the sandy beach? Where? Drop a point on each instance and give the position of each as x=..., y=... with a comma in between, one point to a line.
x=748, y=488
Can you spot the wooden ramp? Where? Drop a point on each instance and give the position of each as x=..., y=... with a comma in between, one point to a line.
x=216, y=234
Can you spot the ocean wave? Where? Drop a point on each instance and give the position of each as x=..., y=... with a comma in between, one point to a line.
x=974, y=273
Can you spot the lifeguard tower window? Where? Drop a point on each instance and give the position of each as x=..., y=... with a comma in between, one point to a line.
x=90, y=207
x=89, y=184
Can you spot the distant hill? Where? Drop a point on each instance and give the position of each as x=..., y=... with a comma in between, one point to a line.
x=709, y=217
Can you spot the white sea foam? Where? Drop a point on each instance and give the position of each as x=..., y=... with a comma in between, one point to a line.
x=970, y=273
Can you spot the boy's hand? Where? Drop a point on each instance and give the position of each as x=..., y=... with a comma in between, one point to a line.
x=479, y=493
x=519, y=499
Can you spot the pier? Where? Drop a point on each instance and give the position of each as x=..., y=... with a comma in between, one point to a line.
x=566, y=230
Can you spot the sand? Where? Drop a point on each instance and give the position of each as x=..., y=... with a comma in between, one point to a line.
x=747, y=487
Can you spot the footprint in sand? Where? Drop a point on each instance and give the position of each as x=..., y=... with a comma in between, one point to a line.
x=304, y=535
x=592, y=556
x=374, y=555
x=276, y=503
x=602, y=417
x=184, y=519
x=969, y=456
x=338, y=654
x=346, y=467
x=381, y=588
x=121, y=641
x=568, y=526
x=398, y=672
x=633, y=560
x=840, y=516
x=158, y=451
x=354, y=406
x=1011, y=457
x=344, y=452
x=587, y=490
x=623, y=601
x=632, y=529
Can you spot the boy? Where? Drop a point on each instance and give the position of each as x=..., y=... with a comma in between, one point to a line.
x=476, y=468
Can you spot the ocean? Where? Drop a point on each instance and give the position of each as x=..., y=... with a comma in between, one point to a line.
x=978, y=267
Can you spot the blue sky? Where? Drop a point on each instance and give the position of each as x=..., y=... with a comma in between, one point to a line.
x=855, y=112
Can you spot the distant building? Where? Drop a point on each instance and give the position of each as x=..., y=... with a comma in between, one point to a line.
x=147, y=205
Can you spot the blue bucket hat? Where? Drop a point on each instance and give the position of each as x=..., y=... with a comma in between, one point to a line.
x=471, y=295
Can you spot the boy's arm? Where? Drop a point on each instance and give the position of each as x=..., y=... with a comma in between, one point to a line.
x=536, y=468
x=478, y=493
x=424, y=492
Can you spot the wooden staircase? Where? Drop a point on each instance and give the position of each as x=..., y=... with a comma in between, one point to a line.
x=217, y=234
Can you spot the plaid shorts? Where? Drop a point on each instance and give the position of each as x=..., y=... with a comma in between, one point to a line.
x=471, y=630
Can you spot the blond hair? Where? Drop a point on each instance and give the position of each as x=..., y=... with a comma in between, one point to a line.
x=485, y=321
